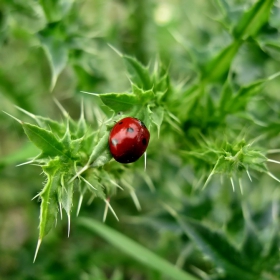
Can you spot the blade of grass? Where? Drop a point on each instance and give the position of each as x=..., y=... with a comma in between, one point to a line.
x=136, y=250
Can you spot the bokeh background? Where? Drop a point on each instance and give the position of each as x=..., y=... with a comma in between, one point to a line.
x=56, y=49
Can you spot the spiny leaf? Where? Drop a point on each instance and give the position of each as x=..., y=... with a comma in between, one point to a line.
x=253, y=19
x=157, y=117
x=49, y=200
x=139, y=74
x=67, y=196
x=100, y=148
x=216, y=246
x=57, y=55
x=44, y=140
x=219, y=65
x=119, y=102
x=55, y=10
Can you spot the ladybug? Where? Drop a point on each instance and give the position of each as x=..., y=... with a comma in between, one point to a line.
x=128, y=140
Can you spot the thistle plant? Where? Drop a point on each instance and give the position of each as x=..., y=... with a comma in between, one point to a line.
x=208, y=199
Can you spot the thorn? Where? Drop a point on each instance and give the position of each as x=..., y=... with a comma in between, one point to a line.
x=90, y=93
x=112, y=210
x=149, y=182
x=91, y=199
x=273, y=76
x=79, y=204
x=145, y=160
x=60, y=210
x=135, y=200
x=273, y=151
x=18, y=120
x=114, y=49
x=37, y=249
x=249, y=175
x=79, y=173
x=169, y=209
x=24, y=163
x=36, y=196
x=105, y=211
x=274, y=161
x=87, y=182
x=211, y=174
x=115, y=184
x=26, y=112
x=273, y=177
x=82, y=109
x=68, y=215
x=63, y=111
x=240, y=186
x=208, y=179
x=232, y=183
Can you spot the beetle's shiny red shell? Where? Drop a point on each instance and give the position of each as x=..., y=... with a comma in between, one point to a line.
x=128, y=140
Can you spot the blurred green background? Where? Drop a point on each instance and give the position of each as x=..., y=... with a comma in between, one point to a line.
x=56, y=49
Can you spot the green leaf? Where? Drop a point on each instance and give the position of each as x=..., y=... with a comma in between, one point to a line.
x=253, y=19
x=55, y=10
x=43, y=139
x=244, y=95
x=102, y=159
x=139, y=74
x=218, y=66
x=57, y=54
x=100, y=148
x=226, y=97
x=49, y=200
x=157, y=117
x=66, y=196
x=98, y=190
x=136, y=250
x=144, y=96
x=27, y=14
x=119, y=102
x=217, y=247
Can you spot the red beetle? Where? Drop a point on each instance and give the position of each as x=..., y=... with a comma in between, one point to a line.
x=128, y=140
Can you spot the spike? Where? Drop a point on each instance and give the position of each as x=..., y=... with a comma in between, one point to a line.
x=68, y=215
x=249, y=175
x=79, y=204
x=24, y=163
x=232, y=183
x=135, y=200
x=145, y=160
x=112, y=210
x=115, y=184
x=274, y=161
x=105, y=211
x=36, y=196
x=87, y=182
x=63, y=111
x=37, y=249
x=79, y=173
x=114, y=49
x=18, y=120
x=273, y=151
x=272, y=176
x=60, y=210
x=240, y=186
x=90, y=93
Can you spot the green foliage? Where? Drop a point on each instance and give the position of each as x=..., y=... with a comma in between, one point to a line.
x=203, y=77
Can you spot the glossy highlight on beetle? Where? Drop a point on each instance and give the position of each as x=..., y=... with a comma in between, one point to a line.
x=128, y=140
